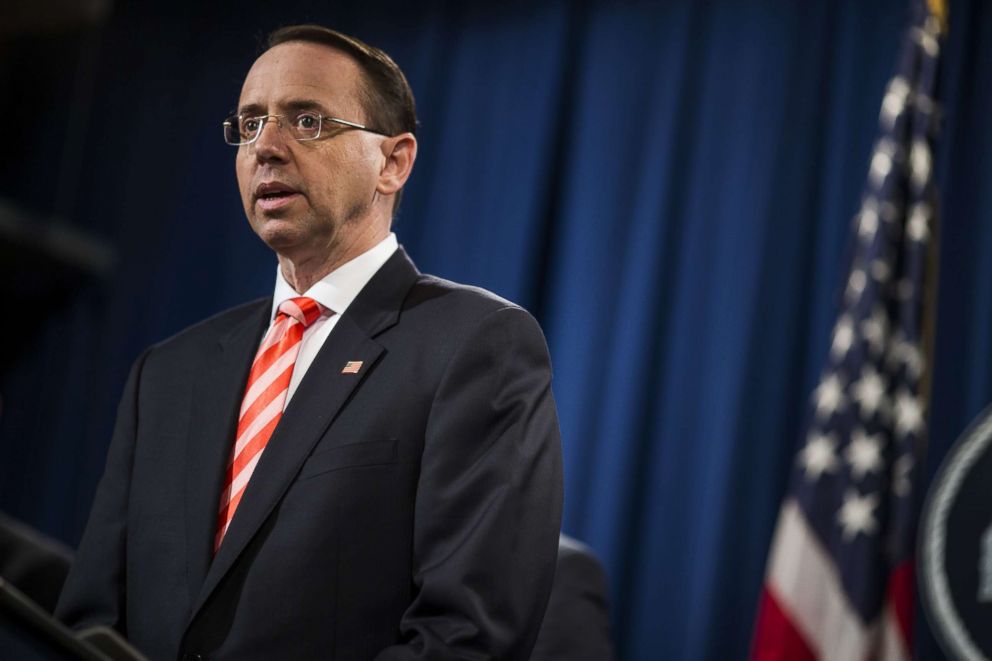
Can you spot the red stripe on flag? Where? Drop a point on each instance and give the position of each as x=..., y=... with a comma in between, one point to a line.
x=776, y=639
x=899, y=594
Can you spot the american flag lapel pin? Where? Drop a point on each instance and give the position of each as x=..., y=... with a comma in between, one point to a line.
x=352, y=367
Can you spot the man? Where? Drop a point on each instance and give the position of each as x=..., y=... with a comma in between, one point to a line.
x=366, y=465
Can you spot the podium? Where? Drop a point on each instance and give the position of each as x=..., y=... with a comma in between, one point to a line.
x=28, y=633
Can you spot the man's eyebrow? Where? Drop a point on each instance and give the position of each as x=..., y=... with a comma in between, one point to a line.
x=254, y=109
x=303, y=104
x=251, y=109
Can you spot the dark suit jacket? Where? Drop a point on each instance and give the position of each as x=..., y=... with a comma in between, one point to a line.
x=576, y=625
x=410, y=511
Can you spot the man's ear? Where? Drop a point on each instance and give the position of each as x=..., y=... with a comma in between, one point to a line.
x=400, y=151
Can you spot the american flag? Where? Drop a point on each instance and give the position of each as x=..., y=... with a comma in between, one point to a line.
x=352, y=367
x=839, y=583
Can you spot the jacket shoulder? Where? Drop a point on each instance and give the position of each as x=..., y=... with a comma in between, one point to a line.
x=455, y=297
x=215, y=327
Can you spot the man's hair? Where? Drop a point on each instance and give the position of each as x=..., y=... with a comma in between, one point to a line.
x=385, y=94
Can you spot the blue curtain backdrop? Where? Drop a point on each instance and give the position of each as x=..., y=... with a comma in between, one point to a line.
x=668, y=186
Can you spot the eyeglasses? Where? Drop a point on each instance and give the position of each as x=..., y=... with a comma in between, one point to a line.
x=241, y=130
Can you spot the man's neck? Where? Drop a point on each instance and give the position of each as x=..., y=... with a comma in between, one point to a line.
x=302, y=273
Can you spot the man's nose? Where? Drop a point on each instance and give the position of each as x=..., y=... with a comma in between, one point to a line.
x=272, y=141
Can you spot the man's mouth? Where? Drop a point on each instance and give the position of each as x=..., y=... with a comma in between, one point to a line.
x=274, y=195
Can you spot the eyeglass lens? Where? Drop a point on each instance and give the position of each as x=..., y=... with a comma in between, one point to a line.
x=240, y=130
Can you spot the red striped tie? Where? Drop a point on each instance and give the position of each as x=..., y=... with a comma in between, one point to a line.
x=264, y=400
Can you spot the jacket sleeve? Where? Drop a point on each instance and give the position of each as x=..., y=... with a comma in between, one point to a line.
x=94, y=590
x=489, y=500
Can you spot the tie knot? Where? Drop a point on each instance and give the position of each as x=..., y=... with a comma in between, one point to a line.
x=304, y=310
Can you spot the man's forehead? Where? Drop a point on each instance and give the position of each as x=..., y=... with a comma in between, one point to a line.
x=300, y=71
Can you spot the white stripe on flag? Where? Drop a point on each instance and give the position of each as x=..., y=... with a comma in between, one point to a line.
x=805, y=583
x=892, y=645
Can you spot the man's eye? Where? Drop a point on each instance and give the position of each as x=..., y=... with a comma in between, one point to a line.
x=307, y=121
x=250, y=125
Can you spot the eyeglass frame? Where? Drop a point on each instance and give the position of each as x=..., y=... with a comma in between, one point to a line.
x=279, y=117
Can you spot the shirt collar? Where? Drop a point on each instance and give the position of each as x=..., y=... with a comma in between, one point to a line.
x=338, y=289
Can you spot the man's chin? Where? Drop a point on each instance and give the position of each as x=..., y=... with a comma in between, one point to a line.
x=283, y=243
x=278, y=232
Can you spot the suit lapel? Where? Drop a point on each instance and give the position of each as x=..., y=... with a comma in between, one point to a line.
x=217, y=397
x=321, y=394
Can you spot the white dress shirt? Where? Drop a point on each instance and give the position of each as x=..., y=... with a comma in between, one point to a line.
x=335, y=292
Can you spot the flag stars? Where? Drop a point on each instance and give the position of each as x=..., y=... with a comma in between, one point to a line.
x=912, y=359
x=923, y=103
x=829, y=396
x=906, y=354
x=868, y=219
x=864, y=453
x=894, y=102
x=857, y=514
x=869, y=391
x=818, y=456
x=843, y=337
x=908, y=413
x=927, y=41
x=920, y=163
x=856, y=284
x=875, y=329
x=880, y=270
x=917, y=228
x=881, y=163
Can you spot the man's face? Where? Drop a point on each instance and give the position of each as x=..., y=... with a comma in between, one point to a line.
x=307, y=199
